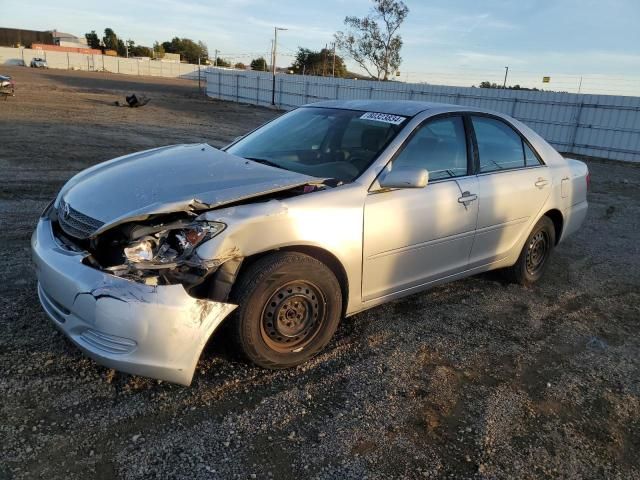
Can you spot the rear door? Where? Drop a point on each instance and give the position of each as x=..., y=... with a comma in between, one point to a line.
x=414, y=236
x=513, y=186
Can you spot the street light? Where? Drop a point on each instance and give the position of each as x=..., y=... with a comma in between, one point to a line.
x=273, y=63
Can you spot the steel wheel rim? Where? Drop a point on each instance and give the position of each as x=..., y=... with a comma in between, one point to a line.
x=292, y=316
x=537, y=252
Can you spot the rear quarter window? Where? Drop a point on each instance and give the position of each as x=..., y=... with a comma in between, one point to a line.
x=531, y=159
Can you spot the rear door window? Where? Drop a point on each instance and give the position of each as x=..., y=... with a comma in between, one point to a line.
x=499, y=146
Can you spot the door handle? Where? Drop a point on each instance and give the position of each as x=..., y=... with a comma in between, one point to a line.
x=467, y=197
x=541, y=183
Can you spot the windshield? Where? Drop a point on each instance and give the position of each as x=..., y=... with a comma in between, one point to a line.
x=321, y=142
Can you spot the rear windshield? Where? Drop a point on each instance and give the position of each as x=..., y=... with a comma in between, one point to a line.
x=321, y=142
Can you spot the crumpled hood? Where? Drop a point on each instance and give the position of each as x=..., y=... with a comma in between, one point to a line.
x=171, y=179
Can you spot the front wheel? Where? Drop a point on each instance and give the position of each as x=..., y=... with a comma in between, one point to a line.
x=290, y=306
x=535, y=254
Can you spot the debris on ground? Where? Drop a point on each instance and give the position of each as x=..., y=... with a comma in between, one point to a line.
x=134, y=101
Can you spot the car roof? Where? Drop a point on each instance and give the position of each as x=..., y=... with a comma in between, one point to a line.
x=407, y=108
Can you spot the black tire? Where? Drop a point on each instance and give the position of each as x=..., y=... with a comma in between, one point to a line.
x=290, y=305
x=534, y=257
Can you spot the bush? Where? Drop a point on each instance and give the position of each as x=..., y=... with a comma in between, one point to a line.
x=259, y=64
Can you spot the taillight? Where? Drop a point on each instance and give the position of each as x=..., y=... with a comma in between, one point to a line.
x=588, y=181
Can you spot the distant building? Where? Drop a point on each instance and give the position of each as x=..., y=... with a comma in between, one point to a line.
x=68, y=40
x=16, y=37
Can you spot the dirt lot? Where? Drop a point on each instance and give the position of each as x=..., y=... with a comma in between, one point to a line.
x=474, y=379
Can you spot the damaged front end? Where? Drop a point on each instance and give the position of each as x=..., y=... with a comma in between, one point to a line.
x=162, y=249
x=157, y=330
x=157, y=252
x=118, y=263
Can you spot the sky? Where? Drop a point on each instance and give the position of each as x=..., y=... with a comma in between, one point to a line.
x=452, y=42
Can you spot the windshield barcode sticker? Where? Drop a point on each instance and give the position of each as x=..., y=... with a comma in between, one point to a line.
x=383, y=117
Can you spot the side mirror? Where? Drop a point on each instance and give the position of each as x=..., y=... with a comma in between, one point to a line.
x=405, y=177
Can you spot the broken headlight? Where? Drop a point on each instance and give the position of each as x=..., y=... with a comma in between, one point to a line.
x=170, y=246
x=140, y=251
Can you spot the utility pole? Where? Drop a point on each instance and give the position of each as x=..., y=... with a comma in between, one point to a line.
x=324, y=59
x=333, y=69
x=215, y=61
x=580, y=85
x=506, y=72
x=273, y=63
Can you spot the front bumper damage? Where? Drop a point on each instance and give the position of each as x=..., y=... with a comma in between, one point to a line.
x=150, y=330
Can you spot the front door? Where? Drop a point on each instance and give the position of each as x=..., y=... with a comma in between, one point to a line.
x=415, y=236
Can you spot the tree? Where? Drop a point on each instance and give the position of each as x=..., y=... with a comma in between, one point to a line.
x=240, y=66
x=204, y=51
x=121, y=49
x=110, y=40
x=221, y=62
x=140, y=51
x=259, y=64
x=158, y=50
x=486, y=84
x=372, y=42
x=318, y=63
x=92, y=39
x=130, y=44
x=187, y=48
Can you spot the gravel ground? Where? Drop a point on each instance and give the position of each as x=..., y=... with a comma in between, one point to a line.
x=476, y=379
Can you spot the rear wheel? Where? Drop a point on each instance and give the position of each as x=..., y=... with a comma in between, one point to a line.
x=535, y=254
x=290, y=306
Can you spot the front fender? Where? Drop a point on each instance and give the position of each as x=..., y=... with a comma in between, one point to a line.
x=330, y=220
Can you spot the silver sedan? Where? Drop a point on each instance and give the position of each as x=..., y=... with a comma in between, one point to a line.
x=322, y=213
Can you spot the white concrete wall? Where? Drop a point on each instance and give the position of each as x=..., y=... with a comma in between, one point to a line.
x=81, y=61
x=597, y=125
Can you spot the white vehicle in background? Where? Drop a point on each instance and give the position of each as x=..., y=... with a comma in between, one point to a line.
x=39, y=63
